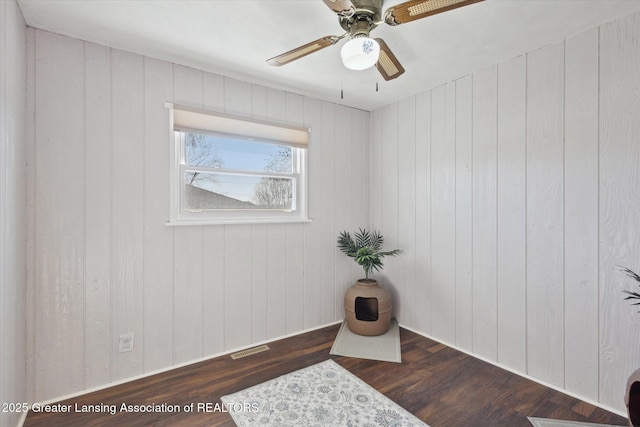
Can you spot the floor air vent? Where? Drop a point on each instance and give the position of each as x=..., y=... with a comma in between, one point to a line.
x=249, y=352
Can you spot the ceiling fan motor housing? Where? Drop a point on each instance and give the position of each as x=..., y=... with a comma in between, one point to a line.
x=360, y=28
x=365, y=19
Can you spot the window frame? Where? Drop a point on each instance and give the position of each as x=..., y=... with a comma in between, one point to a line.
x=181, y=216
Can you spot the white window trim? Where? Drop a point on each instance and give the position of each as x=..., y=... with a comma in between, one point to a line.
x=178, y=217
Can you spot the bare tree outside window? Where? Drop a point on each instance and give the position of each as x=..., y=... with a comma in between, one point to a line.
x=200, y=152
x=228, y=169
x=273, y=192
x=280, y=161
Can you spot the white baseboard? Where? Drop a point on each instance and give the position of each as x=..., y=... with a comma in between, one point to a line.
x=169, y=368
x=22, y=419
x=172, y=367
x=521, y=374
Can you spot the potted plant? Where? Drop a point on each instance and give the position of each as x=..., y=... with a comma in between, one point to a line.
x=632, y=395
x=366, y=249
x=367, y=305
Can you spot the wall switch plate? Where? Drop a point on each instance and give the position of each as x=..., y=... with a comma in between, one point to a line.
x=126, y=342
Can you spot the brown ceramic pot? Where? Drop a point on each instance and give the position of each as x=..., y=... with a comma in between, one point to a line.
x=632, y=399
x=367, y=308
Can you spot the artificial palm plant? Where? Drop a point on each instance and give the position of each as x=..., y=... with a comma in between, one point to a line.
x=365, y=248
x=630, y=294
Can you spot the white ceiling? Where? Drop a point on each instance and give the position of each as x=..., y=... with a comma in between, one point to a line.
x=235, y=37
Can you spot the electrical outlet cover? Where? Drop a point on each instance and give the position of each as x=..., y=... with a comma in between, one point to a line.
x=126, y=342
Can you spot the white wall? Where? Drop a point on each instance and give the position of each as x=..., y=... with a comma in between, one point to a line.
x=514, y=192
x=105, y=262
x=12, y=208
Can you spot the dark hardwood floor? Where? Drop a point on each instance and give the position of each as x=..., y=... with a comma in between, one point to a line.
x=441, y=386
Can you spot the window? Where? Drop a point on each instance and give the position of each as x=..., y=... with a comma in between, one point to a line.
x=229, y=169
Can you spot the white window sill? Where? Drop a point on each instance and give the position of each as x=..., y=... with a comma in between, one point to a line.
x=238, y=221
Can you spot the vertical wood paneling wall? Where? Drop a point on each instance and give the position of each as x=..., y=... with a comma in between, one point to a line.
x=13, y=209
x=519, y=191
x=105, y=262
x=513, y=191
x=619, y=207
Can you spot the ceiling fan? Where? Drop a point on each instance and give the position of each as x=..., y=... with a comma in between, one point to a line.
x=358, y=18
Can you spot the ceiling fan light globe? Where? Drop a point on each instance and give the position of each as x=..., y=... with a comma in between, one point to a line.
x=360, y=53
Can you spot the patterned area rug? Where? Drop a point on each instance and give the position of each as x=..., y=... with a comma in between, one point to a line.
x=324, y=394
x=545, y=422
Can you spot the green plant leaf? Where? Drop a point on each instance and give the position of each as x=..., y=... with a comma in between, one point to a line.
x=630, y=273
x=347, y=245
x=630, y=294
x=365, y=248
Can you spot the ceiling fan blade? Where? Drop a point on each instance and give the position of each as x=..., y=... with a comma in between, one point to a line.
x=341, y=7
x=417, y=9
x=303, y=50
x=388, y=65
